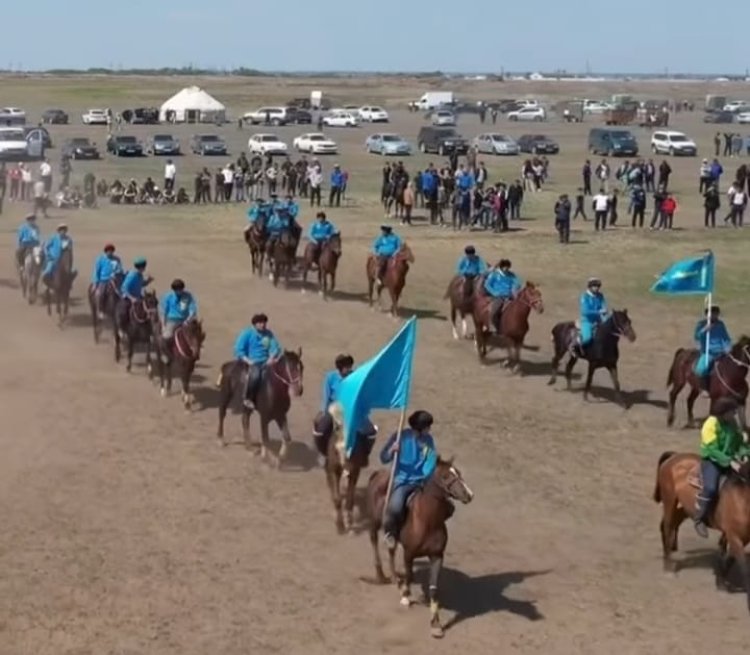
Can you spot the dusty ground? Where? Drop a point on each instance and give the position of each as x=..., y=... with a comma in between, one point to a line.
x=127, y=530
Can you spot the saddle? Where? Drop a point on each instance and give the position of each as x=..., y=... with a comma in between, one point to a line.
x=696, y=481
x=138, y=312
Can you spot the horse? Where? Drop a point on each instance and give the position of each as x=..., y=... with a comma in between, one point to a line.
x=138, y=329
x=30, y=272
x=256, y=237
x=677, y=485
x=184, y=350
x=460, y=292
x=282, y=253
x=602, y=352
x=59, y=283
x=423, y=532
x=110, y=296
x=394, y=278
x=328, y=261
x=727, y=378
x=281, y=380
x=514, y=322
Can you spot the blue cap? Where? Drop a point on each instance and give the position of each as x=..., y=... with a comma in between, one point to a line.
x=139, y=261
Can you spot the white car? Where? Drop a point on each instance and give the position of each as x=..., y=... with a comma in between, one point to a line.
x=496, y=144
x=266, y=144
x=527, y=103
x=12, y=116
x=340, y=118
x=669, y=142
x=13, y=143
x=373, y=114
x=743, y=117
x=270, y=115
x=737, y=106
x=595, y=107
x=528, y=114
x=444, y=117
x=95, y=117
x=315, y=143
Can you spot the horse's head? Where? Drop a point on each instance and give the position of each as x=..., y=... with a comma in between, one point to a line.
x=150, y=303
x=741, y=349
x=449, y=479
x=289, y=369
x=334, y=244
x=622, y=324
x=195, y=336
x=532, y=296
x=404, y=254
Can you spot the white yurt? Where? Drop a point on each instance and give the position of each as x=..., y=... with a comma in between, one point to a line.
x=192, y=105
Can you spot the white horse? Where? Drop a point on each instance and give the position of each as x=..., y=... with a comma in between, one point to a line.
x=30, y=273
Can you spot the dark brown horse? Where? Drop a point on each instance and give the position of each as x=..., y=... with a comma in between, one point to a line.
x=394, y=278
x=514, y=322
x=677, y=485
x=460, y=292
x=602, y=352
x=137, y=329
x=423, y=532
x=183, y=351
x=282, y=255
x=256, y=237
x=728, y=378
x=110, y=296
x=328, y=261
x=59, y=284
x=281, y=380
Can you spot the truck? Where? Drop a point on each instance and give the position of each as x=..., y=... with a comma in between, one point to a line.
x=432, y=100
x=715, y=103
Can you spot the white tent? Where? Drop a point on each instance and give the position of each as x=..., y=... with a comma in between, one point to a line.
x=192, y=105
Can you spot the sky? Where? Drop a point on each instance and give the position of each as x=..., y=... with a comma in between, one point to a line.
x=635, y=36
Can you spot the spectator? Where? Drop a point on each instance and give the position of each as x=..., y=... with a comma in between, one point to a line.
x=337, y=186
x=638, y=203
x=26, y=182
x=40, y=198
x=562, y=218
x=601, y=207
x=170, y=173
x=717, y=144
x=602, y=174
x=716, y=172
x=45, y=174
x=738, y=202
x=408, y=202
x=228, y=175
x=580, y=201
x=704, y=179
x=665, y=170
x=315, y=181
x=649, y=176
x=711, y=203
x=515, y=199
x=613, y=199
x=586, y=174
x=668, y=209
x=659, y=197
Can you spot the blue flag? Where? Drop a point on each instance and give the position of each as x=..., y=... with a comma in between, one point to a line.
x=694, y=275
x=382, y=382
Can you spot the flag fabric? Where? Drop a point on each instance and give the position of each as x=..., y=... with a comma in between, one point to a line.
x=694, y=275
x=383, y=382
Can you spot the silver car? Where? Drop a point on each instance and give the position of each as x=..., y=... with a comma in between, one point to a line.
x=444, y=118
x=496, y=144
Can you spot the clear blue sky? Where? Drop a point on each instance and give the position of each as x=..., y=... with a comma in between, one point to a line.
x=644, y=36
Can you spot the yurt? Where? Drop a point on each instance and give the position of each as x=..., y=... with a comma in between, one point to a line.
x=192, y=105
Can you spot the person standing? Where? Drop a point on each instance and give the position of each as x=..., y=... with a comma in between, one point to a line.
x=315, y=181
x=668, y=209
x=704, y=179
x=717, y=144
x=580, y=202
x=601, y=207
x=45, y=174
x=602, y=174
x=659, y=197
x=738, y=202
x=228, y=180
x=515, y=199
x=40, y=198
x=665, y=170
x=562, y=218
x=613, y=200
x=337, y=186
x=711, y=203
x=638, y=202
x=586, y=173
x=26, y=183
x=170, y=173
x=408, y=202
x=717, y=171
x=65, y=170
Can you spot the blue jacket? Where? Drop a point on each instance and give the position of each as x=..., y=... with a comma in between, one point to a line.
x=593, y=307
x=502, y=285
x=292, y=208
x=254, y=213
x=429, y=182
x=337, y=178
x=719, y=341
x=331, y=384
x=386, y=245
x=105, y=268
x=278, y=223
x=178, y=308
x=28, y=236
x=54, y=247
x=465, y=181
x=132, y=285
x=256, y=345
x=716, y=170
x=321, y=231
x=471, y=265
x=417, y=458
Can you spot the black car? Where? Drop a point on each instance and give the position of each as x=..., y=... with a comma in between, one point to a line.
x=80, y=148
x=538, y=144
x=442, y=140
x=124, y=146
x=298, y=116
x=719, y=117
x=55, y=117
x=163, y=144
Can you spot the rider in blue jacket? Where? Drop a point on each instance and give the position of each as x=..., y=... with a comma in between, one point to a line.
x=28, y=238
x=319, y=233
x=258, y=348
x=384, y=247
x=713, y=341
x=593, y=310
x=502, y=284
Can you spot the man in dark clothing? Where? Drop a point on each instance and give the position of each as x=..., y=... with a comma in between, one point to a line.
x=665, y=170
x=586, y=172
x=515, y=198
x=562, y=218
x=727, y=144
x=580, y=210
x=660, y=196
x=648, y=175
x=198, y=188
x=638, y=202
x=717, y=144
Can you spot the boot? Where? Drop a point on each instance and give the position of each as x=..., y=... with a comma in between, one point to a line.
x=699, y=520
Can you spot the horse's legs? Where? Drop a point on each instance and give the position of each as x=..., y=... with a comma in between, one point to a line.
x=436, y=565
x=453, y=321
x=225, y=397
x=668, y=527
x=379, y=575
x=48, y=301
x=392, y=564
x=351, y=488
x=406, y=582
x=370, y=287
x=722, y=565
x=737, y=550
x=589, y=378
x=394, y=303
x=286, y=438
x=569, y=370
x=555, y=364
x=692, y=397
x=186, y=373
x=673, y=393
x=333, y=478
x=514, y=357
x=333, y=282
x=131, y=346
x=265, y=446
x=246, y=429
x=616, y=384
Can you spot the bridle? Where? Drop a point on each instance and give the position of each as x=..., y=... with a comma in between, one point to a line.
x=535, y=304
x=738, y=362
x=289, y=380
x=618, y=331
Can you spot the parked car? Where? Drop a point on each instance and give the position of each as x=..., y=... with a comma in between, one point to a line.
x=669, y=142
x=163, y=144
x=38, y=134
x=208, y=144
x=611, y=142
x=536, y=114
x=267, y=116
x=298, y=116
x=737, y=106
x=596, y=107
x=373, y=114
x=720, y=117
x=54, y=117
x=743, y=117
x=444, y=117
x=387, y=144
x=123, y=145
x=12, y=116
x=316, y=143
x=538, y=144
x=496, y=144
x=13, y=144
x=80, y=148
x=442, y=140
x=266, y=144
x=144, y=116
x=95, y=117
x=340, y=118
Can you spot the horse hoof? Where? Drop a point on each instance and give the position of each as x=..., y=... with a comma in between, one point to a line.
x=437, y=632
x=163, y=392
x=405, y=601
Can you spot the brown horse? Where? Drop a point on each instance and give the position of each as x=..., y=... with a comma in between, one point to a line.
x=59, y=283
x=514, y=322
x=460, y=292
x=677, y=485
x=423, y=532
x=256, y=237
x=394, y=278
x=727, y=379
x=282, y=254
x=137, y=327
x=328, y=261
x=281, y=380
x=184, y=350
x=110, y=296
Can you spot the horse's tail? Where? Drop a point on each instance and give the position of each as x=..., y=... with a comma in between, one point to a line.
x=663, y=458
x=672, y=371
x=220, y=380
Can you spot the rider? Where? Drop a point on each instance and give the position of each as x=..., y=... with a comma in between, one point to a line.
x=471, y=265
x=320, y=231
x=177, y=307
x=713, y=341
x=593, y=309
x=323, y=423
x=132, y=289
x=28, y=238
x=260, y=208
x=416, y=460
x=722, y=447
x=279, y=222
x=257, y=347
x=107, y=265
x=384, y=247
x=502, y=284
x=53, y=250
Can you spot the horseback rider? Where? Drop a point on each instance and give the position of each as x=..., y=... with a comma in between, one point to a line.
x=177, y=307
x=323, y=423
x=722, y=448
x=258, y=348
x=107, y=265
x=416, y=459
x=319, y=234
x=53, y=250
x=593, y=309
x=471, y=265
x=258, y=210
x=28, y=238
x=280, y=221
x=132, y=289
x=291, y=206
x=712, y=338
x=384, y=247
x=502, y=285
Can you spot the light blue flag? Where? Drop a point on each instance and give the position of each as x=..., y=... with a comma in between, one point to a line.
x=383, y=382
x=694, y=275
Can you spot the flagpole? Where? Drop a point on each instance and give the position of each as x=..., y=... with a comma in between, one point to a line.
x=709, y=300
x=392, y=473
